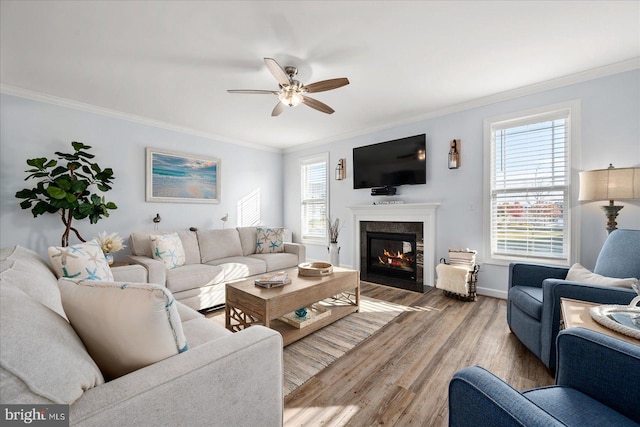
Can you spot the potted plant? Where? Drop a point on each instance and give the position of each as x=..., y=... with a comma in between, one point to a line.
x=65, y=186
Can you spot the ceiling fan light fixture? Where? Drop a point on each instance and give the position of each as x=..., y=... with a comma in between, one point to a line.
x=290, y=97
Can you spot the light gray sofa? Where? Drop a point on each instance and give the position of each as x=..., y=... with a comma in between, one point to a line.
x=223, y=379
x=213, y=258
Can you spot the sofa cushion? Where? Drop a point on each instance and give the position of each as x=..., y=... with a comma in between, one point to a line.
x=239, y=267
x=140, y=244
x=527, y=299
x=38, y=348
x=578, y=273
x=217, y=244
x=574, y=408
x=277, y=261
x=168, y=249
x=125, y=326
x=248, y=238
x=187, y=313
x=269, y=240
x=84, y=261
x=193, y=276
x=27, y=271
x=202, y=330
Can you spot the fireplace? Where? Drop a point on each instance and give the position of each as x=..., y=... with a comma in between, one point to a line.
x=392, y=254
x=405, y=218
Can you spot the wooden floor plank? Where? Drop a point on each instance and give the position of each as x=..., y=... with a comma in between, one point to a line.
x=400, y=375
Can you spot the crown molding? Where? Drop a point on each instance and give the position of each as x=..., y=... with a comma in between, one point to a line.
x=592, y=74
x=81, y=106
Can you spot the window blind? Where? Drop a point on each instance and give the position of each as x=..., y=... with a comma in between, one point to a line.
x=530, y=187
x=314, y=199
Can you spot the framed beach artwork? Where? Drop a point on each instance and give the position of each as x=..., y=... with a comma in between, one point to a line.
x=182, y=178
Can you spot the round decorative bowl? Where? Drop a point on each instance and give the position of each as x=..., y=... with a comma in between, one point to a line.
x=621, y=318
x=315, y=269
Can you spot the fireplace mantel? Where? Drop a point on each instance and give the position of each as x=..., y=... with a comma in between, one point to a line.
x=407, y=212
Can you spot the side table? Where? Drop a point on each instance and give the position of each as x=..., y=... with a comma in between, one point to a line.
x=576, y=314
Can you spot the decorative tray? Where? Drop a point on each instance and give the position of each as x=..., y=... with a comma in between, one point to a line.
x=315, y=269
x=621, y=318
x=314, y=313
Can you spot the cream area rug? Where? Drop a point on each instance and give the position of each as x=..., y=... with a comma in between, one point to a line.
x=308, y=356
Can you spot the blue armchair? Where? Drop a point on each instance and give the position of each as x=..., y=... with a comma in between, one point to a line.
x=596, y=385
x=533, y=302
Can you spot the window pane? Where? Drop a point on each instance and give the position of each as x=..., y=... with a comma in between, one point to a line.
x=314, y=198
x=529, y=189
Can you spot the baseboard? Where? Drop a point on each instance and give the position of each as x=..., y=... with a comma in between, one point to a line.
x=488, y=292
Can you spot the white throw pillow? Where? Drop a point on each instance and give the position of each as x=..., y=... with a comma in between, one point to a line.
x=41, y=353
x=125, y=326
x=269, y=240
x=578, y=273
x=168, y=249
x=84, y=261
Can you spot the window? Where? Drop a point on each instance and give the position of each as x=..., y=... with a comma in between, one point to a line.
x=529, y=186
x=313, y=171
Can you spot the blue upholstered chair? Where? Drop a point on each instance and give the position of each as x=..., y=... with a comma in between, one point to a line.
x=597, y=384
x=533, y=302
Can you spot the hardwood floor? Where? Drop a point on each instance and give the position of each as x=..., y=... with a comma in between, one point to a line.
x=400, y=375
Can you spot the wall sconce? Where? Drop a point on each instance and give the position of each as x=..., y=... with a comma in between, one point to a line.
x=610, y=184
x=341, y=170
x=156, y=222
x=454, y=154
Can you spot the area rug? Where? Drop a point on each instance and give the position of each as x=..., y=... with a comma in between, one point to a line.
x=305, y=358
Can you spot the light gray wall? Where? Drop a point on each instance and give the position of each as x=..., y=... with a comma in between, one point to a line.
x=610, y=134
x=31, y=129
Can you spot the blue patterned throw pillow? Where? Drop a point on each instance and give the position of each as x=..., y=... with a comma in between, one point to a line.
x=269, y=240
x=84, y=261
x=168, y=249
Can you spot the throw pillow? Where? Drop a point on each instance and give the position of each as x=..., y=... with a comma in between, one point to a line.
x=168, y=249
x=125, y=326
x=41, y=353
x=578, y=273
x=84, y=261
x=269, y=240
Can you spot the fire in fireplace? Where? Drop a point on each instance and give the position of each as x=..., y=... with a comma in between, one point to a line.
x=392, y=254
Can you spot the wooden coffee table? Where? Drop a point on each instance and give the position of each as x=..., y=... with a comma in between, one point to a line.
x=248, y=304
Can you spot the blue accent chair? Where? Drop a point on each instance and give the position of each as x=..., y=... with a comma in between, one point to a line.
x=596, y=385
x=533, y=302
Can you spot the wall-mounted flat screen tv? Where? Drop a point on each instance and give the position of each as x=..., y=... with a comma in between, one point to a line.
x=392, y=163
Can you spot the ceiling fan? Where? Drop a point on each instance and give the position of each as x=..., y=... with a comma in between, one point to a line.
x=292, y=92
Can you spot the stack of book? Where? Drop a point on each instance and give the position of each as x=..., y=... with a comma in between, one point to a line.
x=273, y=280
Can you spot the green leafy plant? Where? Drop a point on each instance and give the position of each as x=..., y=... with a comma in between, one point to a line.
x=66, y=188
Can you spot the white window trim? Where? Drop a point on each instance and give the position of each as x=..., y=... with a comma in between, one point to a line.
x=574, y=148
x=316, y=158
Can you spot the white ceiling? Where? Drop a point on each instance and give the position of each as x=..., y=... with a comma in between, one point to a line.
x=172, y=62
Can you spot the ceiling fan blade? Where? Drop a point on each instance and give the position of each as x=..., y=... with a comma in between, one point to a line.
x=315, y=104
x=326, y=85
x=255, y=92
x=277, y=71
x=279, y=108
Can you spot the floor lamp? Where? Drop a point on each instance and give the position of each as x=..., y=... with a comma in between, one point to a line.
x=610, y=184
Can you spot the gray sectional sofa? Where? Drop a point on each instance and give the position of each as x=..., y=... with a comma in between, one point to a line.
x=222, y=379
x=212, y=259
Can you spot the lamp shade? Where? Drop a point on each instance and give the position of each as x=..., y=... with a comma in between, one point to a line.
x=610, y=184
